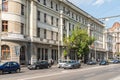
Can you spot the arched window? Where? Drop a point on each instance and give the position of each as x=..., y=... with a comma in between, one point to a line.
x=5, y=52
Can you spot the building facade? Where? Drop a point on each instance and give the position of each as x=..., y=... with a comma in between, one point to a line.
x=33, y=30
x=109, y=42
x=115, y=32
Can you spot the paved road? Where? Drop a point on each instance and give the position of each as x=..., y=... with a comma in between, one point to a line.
x=109, y=72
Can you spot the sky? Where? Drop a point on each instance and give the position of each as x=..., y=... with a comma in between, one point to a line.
x=101, y=9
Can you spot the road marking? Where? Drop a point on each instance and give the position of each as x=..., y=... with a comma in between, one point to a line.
x=68, y=71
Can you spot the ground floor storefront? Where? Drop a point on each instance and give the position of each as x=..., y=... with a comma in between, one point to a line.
x=28, y=52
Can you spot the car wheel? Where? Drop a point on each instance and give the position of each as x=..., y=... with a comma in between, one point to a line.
x=1, y=72
x=78, y=66
x=18, y=70
x=37, y=67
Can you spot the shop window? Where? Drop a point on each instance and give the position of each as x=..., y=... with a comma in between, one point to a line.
x=4, y=26
x=5, y=52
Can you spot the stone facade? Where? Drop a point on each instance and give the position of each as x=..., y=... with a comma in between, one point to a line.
x=36, y=28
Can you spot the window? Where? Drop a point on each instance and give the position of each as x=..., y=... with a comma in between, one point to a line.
x=5, y=52
x=51, y=35
x=45, y=18
x=22, y=28
x=76, y=18
x=51, y=4
x=54, y=54
x=38, y=32
x=38, y=0
x=44, y=2
x=73, y=27
x=63, y=9
x=22, y=9
x=57, y=36
x=5, y=26
x=72, y=15
x=38, y=15
x=51, y=20
x=46, y=54
x=64, y=24
x=44, y=33
x=56, y=7
x=5, y=6
x=57, y=22
x=69, y=26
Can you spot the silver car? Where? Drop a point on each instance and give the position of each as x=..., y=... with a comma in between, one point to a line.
x=61, y=63
x=72, y=64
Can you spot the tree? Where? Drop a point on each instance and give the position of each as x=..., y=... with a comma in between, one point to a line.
x=79, y=40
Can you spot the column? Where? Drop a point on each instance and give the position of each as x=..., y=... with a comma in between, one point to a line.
x=49, y=53
x=33, y=53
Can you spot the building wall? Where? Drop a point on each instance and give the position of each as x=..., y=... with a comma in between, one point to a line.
x=67, y=14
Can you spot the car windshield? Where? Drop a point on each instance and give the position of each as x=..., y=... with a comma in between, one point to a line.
x=1, y=63
x=63, y=61
x=71, y=61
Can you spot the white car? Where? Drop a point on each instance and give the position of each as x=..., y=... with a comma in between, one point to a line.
x=61, y=63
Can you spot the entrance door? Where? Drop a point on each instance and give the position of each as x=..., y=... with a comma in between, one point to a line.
x=22, y=55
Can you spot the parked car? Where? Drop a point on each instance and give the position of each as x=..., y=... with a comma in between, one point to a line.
x=103, y=62
x=39, y=65
x=91, y=62
x=116, y=61
x=72, y=64
x=61, y=63
x=9, y=67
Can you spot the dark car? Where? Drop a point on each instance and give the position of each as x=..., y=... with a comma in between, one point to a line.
x=91, y=62
x=9, y=67
x=103, y=62
x=116, y=61
x=72, y=64
x=39, y=65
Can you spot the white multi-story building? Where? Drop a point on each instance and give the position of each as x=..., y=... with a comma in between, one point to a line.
x=108, y=40
x=115, y=39
x=34, y=29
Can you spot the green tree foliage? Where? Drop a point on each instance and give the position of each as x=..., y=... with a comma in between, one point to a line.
x=79, y=40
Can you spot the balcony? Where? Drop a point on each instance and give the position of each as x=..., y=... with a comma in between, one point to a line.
x=13, y=36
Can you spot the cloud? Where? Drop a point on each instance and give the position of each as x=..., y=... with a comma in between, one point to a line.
x=98, y=2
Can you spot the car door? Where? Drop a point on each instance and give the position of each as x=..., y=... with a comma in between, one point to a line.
x=6, y=67
x=13, y=66
x=43, y=64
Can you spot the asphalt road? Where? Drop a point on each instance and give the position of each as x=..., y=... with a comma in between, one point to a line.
x=109, y=72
